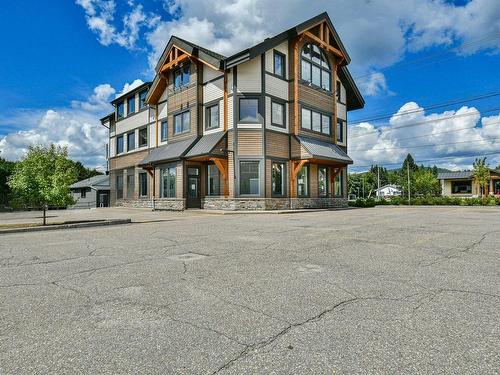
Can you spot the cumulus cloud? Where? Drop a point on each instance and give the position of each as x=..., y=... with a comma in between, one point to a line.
x=458, y=133
x=77, y=127
x=130, y=86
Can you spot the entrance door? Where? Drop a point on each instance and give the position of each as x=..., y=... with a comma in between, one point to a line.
x=193, y=187
x=103, y=200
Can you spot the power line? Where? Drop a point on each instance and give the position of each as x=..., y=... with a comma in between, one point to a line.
x=377, y=130
x=434, y=159
x=437, y=133
x=429, y=58
x=432, y=106
x=430, y=145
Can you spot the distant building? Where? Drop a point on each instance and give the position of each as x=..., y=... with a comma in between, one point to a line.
x=91, y=192
x=461, y=184
x=388, y=191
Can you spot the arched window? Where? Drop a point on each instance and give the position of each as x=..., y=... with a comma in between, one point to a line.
x=315, y=67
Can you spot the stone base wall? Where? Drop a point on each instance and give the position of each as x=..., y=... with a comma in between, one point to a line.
x=174, y=204
x=235, y=204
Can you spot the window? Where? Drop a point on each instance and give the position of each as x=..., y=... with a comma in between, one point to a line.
x=130, y=105
x=340, y=131
x=213, y=180
x=278, y=179
x=315, y=68
x=461, y=187
x=212, y=117
x=338, y=92
x=143, y=137
x=303, y=182
x=143, y=184
x=315, y=121
x=142, y=99
x=182, y=122
x=168, y=181
x=119, y=144
x=249, y=110
x=130, y=141
x=120, y=110
x=278, y=114
x=119, y=186
x=322, y=181
x=249, y=177
x=279, y=64
x=339, y=184
x=130, y=184
x=181, y=77
x=83, y=193
x=164, y=130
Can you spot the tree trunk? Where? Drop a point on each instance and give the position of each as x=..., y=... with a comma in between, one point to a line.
x=44, y=215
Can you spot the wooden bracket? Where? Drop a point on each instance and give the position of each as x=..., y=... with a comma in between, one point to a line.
x=296, y=169
x=323, y=44
x=222, y=166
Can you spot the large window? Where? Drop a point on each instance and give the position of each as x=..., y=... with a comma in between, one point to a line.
x=279, y=64
x=249, y=110
x=164, y=130
x=339, y=184
x=213, y=180
x=461, y=187
x=181, y=77
x=119, y=186
x=249, y=178
x=315, y=68
x=130, y=184
x=119, y=144
x=322, y=181
x=315, y=121
x=143, y=137
x=340, y=130
x=303, y=182
x=131, y=105
x=278, y=179
x=120, y=110
x=278, y=114
x=143, y=184
x=130, y=141
x=168, y=181
x=182, y=122
x=212, y=117
x=142, y=99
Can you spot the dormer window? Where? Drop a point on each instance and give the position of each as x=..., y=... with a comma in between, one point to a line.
x=315, y=68
x=181, y=77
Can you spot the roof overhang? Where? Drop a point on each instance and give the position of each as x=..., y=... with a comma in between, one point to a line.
x=323, y=152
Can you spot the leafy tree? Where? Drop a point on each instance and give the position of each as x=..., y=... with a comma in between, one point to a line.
x=424, y=183
x=6, y=168
x=83, y=172
x=42, y=178
x=481, y=173
x=409, y=161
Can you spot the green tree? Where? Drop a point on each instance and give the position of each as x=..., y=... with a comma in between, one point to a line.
x=42, y=178
x=6, y=168
x=481, y=173
x=83, y=172
x=424, y=183
x=409, y=161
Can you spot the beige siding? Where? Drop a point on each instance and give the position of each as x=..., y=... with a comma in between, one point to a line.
x=283, y=48
x=132, y=122
x=249, y=76
x=249, y=143
x=209, y=73
x=213, y=90
x=269, y=117
x=162, y=111
x=180, y=180
x=277, y=87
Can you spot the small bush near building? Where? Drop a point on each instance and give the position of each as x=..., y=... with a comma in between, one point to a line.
x=440, y=201
x=365, y=203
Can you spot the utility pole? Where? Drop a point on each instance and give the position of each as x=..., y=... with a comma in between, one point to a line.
x=378, y=181
x=363, y=185
x=409, y=188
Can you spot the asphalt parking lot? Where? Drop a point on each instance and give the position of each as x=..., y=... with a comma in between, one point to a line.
x=383, y=290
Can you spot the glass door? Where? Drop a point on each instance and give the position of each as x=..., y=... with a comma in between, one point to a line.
x=193, y=187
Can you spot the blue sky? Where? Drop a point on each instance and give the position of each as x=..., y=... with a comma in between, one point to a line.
x=70, y=58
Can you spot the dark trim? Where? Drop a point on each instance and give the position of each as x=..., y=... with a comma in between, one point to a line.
x=308, y=195
x=277, y=98
x=212, y=80
x=235, y=131
x=162, y=121
x=263, y=103
x=260, y=105
x=279, y=77
x=284, y=162
x=283, y=104
x=283, y=67
x=207, y=106
x=341, y=130
x=180, y=113
x=139, y=137
x=128, y=133
x=322, y=113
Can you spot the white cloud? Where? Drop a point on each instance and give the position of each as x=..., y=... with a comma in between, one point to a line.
x=374, y=84
x=411, y=130
x=76, y=127
x=130, y=86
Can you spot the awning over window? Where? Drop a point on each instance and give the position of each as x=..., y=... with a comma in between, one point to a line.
x=209, y=145
x=171, y=151
x=323, y=150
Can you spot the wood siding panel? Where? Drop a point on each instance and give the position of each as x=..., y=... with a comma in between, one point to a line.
x=127, y=161
x=179, y=188
x=249, y=143
x=277, y=145
x=299, y=151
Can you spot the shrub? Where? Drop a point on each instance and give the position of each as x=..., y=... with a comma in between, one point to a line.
x=360, y=202
x=432, y=201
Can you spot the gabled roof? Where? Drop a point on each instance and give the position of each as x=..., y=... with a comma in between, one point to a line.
x=324, y=150
x=206, y=144
x=133, y=91
x=457, y=175
x=96, y=182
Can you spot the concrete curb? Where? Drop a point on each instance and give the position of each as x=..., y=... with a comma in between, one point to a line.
x=67, y=226
x=269, y=212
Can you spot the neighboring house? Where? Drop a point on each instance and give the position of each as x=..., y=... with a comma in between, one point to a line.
x=92, y=192
x=461, y=184
x=388, y=191
x=265, y=128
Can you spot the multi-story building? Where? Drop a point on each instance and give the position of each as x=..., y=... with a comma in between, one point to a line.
x=265, y=128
